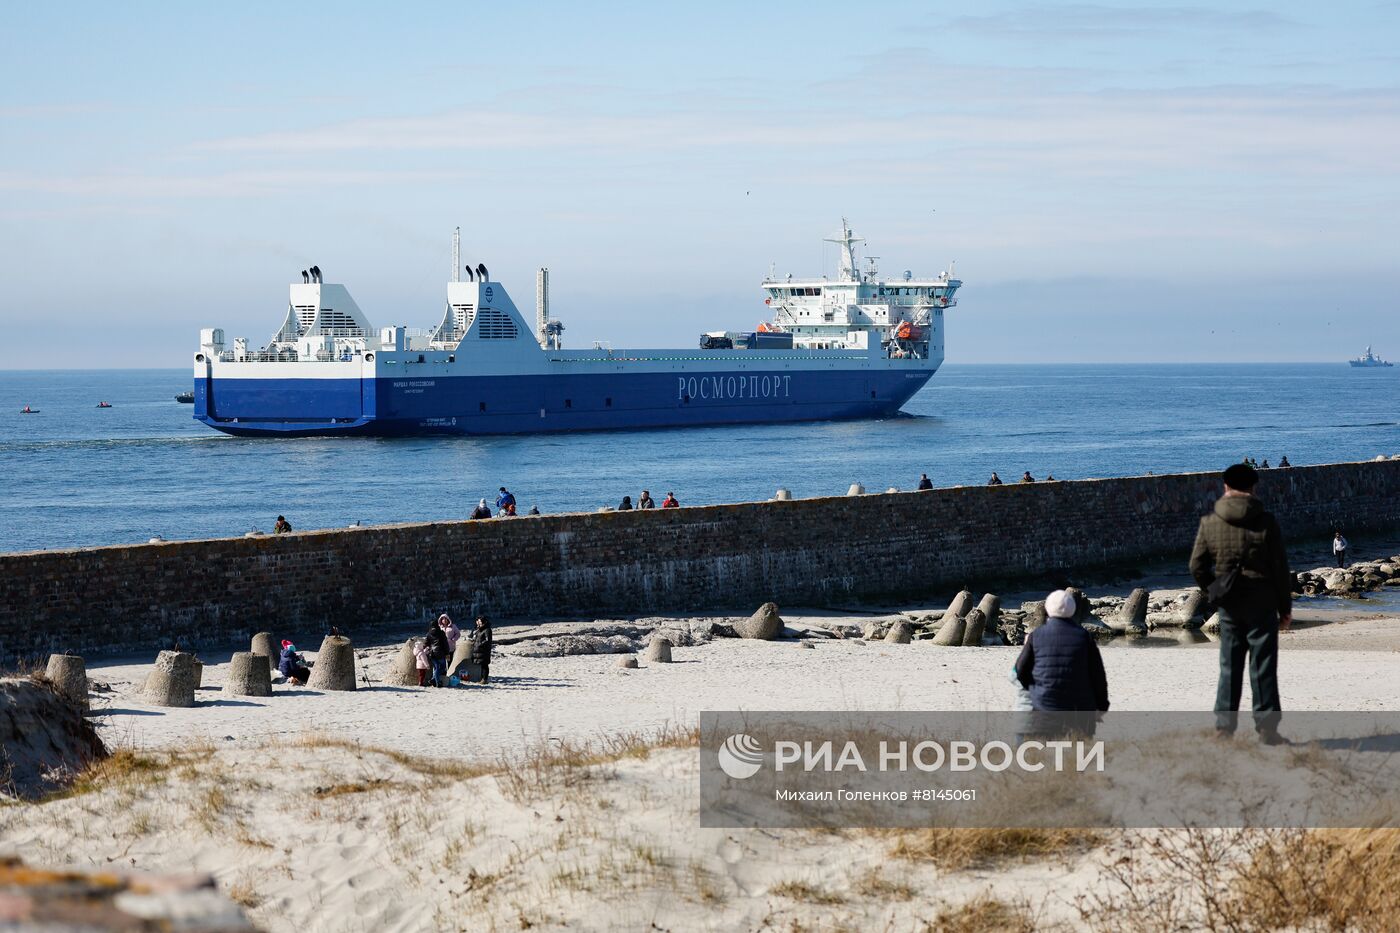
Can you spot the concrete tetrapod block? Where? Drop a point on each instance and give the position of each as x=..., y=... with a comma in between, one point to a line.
x=901, y=633
x=765, y=624
x=249, y=675
x=335, y=665
x=991, y=610
x=1036, y=617
x=1082, y=609
x=404, y=671
x=172, y=680
x=658, y=650
x=69, y=677
x=974, y=624
x=1191, y=613
x=627, y=662
x=959, y=606
x=264, y=643
x=1133, y=618
x=951, y=633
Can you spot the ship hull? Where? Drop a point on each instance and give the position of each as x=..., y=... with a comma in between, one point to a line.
x=545, y=403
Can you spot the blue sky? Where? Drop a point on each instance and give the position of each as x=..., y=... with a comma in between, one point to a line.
x=1116, y=182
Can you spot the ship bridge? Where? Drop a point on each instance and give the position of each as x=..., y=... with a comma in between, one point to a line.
x=859, y=307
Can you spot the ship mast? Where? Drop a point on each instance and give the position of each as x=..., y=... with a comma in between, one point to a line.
x=457, y=254
x=847, y=272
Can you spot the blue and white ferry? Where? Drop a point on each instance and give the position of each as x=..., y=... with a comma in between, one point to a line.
x=852, y=346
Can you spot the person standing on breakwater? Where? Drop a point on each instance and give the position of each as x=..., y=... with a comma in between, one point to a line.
x=1284, y=462
x=994, y=481
x=505, y=502
x=625, y=505
x=1240, y=561
x=481, y=647
x=1061, y=667
x=482, y=510
x=646, y=501
x=670, y=502
x=438, y=651
x=1027, y=478
x=282, y=526
x=1339, y=548
x=924, y=482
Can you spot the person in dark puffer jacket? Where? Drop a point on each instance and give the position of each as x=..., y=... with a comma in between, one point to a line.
x=1061, y=667
x=481, y=647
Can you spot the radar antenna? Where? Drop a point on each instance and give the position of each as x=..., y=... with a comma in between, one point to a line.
x=847, y=272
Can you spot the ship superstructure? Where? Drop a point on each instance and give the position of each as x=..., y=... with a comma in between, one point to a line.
x=849, y=347
x=1369, y=360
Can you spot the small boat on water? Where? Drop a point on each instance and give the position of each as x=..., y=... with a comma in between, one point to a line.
x=26, y=410
x=104, y=404
x=185, y=398
x=1369, y=360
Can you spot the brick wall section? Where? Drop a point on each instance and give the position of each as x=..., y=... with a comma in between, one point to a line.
x=802, y=552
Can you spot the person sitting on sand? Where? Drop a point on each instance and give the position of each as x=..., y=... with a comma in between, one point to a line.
x=292, y=665
x=439, y=650
x=450, y=629
x=481, y=647
x=670, y=501
x=482, y=510
x=282, y=526
x=1061, y=667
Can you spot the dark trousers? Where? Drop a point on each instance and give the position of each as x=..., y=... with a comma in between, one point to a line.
x=438, y=671
x=1341, y=558
x=485, y=671
x=1248, y=633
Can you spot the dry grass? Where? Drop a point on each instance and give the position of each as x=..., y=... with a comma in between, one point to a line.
x=984, y=914
x=1251, y=880
x=875, y=885
x=806, y=892
x=124, y=769
x=956, y=849
x=346, y=788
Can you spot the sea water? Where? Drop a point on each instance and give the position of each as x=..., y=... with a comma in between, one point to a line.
x=75, y=474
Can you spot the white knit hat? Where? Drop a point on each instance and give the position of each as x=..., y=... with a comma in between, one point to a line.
x=1060, y=604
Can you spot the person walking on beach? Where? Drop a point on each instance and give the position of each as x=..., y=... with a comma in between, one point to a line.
x=924, y=482
x=282, y=526
x=481, y=647
x=646, y=501
x=625, y=505
x=505, y=502
x=1061, y=667
x=1339, y=548
x=482, y=510
x=292, y=665
x=670, y=501
x=995, y=480
x=438, y=650
x=1240, y=561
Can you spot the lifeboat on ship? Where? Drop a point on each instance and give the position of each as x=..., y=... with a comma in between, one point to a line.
x=908, y=331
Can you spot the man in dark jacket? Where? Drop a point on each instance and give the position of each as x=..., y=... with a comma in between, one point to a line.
x=439, y=650
x=481, y=647
x=1061, y=667
x=1239, y=559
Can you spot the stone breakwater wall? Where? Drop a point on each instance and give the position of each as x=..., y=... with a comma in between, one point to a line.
x=916, y=545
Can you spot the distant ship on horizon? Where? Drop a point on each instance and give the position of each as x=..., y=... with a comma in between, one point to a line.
x=1368, y=360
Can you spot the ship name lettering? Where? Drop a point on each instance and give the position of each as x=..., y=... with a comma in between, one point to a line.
x=733, y=387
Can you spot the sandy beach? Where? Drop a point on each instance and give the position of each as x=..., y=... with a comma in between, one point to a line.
x=563, y=795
